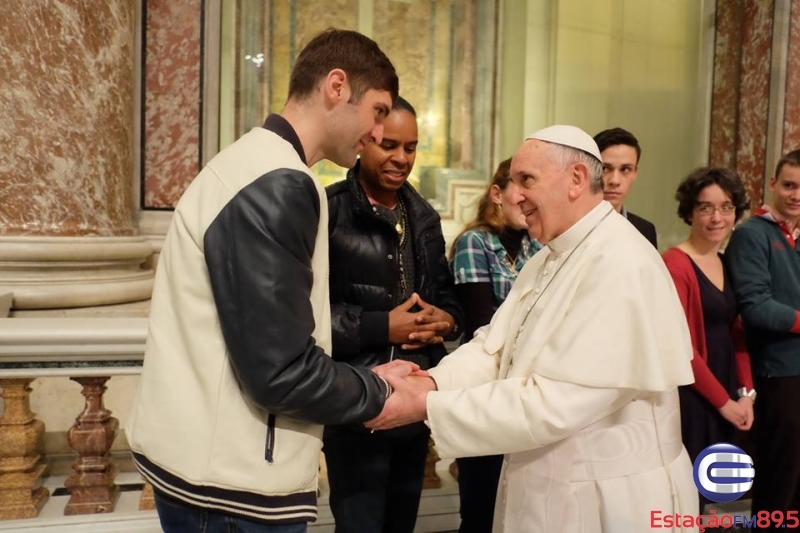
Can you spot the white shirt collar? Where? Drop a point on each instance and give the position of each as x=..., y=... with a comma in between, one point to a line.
x=578, y=231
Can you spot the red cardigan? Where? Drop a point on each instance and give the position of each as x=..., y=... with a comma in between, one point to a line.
x=683, y=274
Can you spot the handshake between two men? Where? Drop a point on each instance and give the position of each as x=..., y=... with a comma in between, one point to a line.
x=408, y=401
x=413, y=324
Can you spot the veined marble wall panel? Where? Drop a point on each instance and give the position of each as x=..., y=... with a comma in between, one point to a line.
x=740, y=101
x=725, y=93
x=751, y=143
x=791, y=121
x=66, y=106
x=173, y=99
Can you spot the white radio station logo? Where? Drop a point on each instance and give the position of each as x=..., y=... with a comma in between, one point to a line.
x=723, y=472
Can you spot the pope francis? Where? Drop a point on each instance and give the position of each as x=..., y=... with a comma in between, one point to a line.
x=575, y=378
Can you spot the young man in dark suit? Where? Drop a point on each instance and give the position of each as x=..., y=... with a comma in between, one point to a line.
x=620, y=151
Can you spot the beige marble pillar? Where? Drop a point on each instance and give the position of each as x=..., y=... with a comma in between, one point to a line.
x=21, y=493
x=67, y=127
x=147, y=501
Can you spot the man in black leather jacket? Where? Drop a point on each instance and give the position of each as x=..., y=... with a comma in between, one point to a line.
x=392, y=297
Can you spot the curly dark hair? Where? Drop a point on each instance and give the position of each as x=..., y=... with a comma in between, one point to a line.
x=727, y=179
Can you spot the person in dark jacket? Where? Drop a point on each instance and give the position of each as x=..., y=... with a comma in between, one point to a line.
x=621, y=152
x=392, y=297
x=764, y=260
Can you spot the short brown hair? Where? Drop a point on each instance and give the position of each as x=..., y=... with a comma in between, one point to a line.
x=366, y=66
x=792, y=159
x=615, y=137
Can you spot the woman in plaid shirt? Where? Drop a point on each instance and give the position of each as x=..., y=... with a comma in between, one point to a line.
x=486, y=258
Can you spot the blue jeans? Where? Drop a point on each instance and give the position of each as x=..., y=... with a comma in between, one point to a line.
x=179, y=517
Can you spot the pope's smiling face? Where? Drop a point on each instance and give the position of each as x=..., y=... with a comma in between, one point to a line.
x=544, y=188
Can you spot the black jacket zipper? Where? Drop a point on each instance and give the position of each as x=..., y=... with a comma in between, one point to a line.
x=270, y=451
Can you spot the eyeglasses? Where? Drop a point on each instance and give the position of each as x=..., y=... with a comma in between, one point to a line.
x=709, y=209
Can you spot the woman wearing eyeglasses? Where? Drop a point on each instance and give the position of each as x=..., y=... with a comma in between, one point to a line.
x=711, y=201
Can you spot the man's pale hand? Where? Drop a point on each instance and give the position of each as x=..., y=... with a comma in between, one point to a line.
x=406, y=405
x=398, y=368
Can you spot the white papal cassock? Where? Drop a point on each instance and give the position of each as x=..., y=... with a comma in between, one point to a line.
x=574, y=380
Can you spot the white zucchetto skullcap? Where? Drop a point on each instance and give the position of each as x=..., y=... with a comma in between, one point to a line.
x=568, y=136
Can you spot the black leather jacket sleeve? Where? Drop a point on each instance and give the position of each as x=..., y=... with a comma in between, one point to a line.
x=258, y=252
x=355, y=330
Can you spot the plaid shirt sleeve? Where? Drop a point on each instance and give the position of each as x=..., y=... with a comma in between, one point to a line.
x=470, y=262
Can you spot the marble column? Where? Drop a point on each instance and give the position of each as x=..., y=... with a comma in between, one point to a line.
x=67, y=127
x=173, y=100
x=791, y=117
x=741, y=91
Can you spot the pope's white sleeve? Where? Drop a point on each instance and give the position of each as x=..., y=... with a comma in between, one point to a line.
x=515, y=415
x=468, y=366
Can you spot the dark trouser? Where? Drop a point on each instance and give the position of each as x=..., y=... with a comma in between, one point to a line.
x=776, y=485
x=477, y=488
x=375, y=479
x=179, y=517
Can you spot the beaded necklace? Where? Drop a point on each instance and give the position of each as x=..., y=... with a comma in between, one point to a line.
x=402, y=230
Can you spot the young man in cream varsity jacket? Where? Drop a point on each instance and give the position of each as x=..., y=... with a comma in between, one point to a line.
x=237, y=379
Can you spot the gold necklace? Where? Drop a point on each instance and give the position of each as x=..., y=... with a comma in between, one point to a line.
x=402, y=220
x=400, y=227
x=511, y=263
